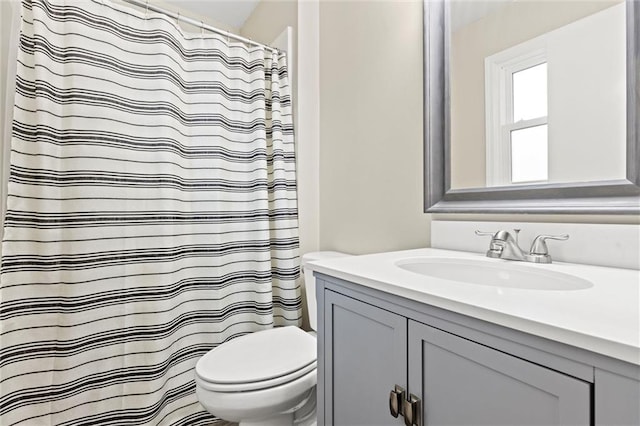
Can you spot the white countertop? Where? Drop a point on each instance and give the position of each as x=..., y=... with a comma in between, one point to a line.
x=604, y=318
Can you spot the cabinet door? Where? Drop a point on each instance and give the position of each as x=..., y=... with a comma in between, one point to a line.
x=365, y=356
x=464, y=383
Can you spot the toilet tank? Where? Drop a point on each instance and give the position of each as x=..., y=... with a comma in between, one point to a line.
x=310, y=282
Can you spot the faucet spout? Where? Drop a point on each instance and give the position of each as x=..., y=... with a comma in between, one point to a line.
x=504, y=246
x=511, y=250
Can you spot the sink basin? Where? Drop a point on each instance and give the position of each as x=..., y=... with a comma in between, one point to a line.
x=493, y=273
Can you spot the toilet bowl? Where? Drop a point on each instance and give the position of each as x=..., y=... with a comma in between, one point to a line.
x=266, y=378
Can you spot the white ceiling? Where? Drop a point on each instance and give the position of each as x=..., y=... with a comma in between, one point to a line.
x=464, y=12
x=231, y=13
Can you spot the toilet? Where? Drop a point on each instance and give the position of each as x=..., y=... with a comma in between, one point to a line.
x=278, y=388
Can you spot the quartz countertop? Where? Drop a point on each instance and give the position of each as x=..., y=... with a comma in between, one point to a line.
x=604, y=318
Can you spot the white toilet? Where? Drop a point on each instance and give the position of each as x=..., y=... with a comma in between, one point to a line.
x=275, y=389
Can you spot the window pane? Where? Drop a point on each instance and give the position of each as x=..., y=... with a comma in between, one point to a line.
x=529, y=154
x=530, y=93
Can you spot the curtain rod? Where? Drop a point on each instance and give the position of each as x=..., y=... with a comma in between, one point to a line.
x=148, y=6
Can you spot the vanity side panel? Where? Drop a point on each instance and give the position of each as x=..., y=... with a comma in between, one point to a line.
x=320, y=387
x=617, y=399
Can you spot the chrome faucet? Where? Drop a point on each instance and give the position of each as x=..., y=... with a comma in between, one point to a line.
x=503, y=245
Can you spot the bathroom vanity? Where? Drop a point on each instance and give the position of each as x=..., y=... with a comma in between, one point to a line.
x=480, y=349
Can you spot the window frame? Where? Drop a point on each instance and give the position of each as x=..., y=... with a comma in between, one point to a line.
x=499, y=123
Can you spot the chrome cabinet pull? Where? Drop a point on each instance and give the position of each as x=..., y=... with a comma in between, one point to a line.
x=396, y=398
x=412, y=411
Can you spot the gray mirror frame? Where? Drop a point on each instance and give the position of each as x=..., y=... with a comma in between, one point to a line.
x=604, y=197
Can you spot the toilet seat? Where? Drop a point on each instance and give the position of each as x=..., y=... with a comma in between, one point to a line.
x=258, y=360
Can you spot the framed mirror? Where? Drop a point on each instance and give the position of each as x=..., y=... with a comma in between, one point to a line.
x=532, y=107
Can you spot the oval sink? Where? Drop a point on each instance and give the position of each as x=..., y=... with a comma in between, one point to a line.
x=496, y=274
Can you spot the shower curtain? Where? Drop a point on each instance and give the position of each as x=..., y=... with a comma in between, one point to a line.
x=151, y=213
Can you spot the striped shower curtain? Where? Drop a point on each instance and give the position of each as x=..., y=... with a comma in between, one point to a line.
x=151, y=214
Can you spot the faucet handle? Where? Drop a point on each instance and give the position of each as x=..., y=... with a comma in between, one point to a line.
x=495, y=250
x=539, y=245
x=539, y=252
x=483, y=233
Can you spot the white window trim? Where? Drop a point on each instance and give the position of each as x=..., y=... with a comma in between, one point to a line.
x=499, y=69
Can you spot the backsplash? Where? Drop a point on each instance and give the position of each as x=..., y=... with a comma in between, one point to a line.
x=592, y=244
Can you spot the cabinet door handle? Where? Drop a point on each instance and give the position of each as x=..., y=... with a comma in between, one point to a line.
x=412, y=409
x=396, y=399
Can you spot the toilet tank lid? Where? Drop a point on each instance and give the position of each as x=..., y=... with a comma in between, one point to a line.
x=321, y=255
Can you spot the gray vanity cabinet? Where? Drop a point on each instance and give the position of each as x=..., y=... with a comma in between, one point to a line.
x=369, y=350
x=463, y=371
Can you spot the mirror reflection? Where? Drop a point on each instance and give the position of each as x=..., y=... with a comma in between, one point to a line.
x=537, y=92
